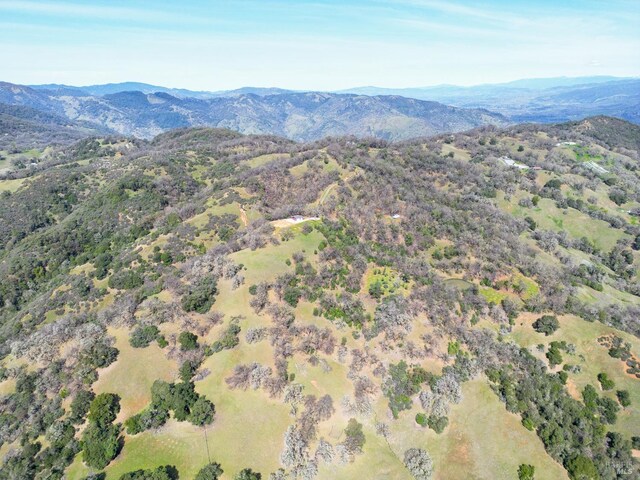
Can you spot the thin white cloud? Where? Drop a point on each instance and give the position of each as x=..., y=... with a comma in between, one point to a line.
x=461, y=10
x=447, y=29
x=83, y=10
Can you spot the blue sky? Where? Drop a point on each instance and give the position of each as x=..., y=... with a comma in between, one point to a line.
x=319, y=44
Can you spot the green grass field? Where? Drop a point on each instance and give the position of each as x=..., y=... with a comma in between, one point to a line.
x=269, y=262
x=132, y=375
x=388, y=279
x=494, y=296
x=574, y=222
x=11, y=185
x=482, y=441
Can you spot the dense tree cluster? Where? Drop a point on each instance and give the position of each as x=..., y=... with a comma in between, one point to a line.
x=101, y=440
x=179, y=398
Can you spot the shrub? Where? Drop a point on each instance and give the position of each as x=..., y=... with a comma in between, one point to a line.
x=201, y=296
x=419, y=463
x=618, y=196
x=187, y=369
x=623, y=398
x=528, y=424
x=248, y=474
x=80, y=405
x=104, y=408
x=125, y=280
x=437, y=423
x=546, y=324
x=152, y=417
x=531, y=223
x=605, y=382
x=553, y=355
x=376, y=290
x=100, y=440
x=228, y=339
x=188, y=341
x=292, y=296
x=142, y=336
x=160, y=473
x=400, y=385
x=582, y=468
x=421, y=419
x=100, y=445
x=210, y=472
x=202, y=412
x=526, y=472
x=355, y=439
x=608, y=410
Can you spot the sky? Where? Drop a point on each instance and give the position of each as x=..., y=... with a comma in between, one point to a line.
x=315, y=45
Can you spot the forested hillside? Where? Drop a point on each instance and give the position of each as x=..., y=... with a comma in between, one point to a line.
x=303, y=116
x=209, y=305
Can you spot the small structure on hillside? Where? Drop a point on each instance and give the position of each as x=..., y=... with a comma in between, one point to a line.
x=593, y=166
x=297, y=218
x=395, y=215
x=510, y=162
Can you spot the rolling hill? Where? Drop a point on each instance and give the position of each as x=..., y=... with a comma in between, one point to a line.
x=208, y=304
x=24, y=127
x=536, y=100
x=299, y=116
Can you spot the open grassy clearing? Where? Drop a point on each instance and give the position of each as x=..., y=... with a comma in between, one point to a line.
x=269, y=262
x=494, y=296
x=574, y=222
x=133, y=373
x=458, y=153
x=246, y=421
x=377, y=462
x=264, y=159
x=241, y=419
x=387, y=279
x=607, y=296
x=11, y=185
x=7, y=387
x=482, y=441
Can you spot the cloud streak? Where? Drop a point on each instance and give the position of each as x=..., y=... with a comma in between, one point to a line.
x=312, y=44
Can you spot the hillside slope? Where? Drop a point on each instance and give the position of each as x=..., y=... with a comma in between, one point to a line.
x=299, y=116
x=536, y=100
x=24, y=127
x=337, y=309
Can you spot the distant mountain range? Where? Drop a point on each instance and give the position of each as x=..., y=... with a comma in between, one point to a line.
x=144, y=110
x=536, y=100
x=111, y=88
x=299, y=115
x=24, y=127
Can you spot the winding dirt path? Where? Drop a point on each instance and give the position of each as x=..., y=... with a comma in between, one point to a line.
x=327, y=190
x=243, y=216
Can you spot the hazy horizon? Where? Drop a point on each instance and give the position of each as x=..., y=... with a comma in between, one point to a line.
x=602, y=78
x=316, y=45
